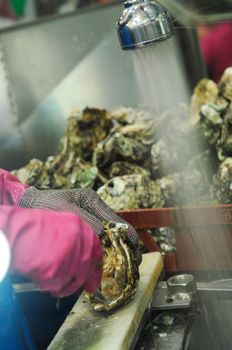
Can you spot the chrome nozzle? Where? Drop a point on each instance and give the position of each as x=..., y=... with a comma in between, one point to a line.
x=143, y=23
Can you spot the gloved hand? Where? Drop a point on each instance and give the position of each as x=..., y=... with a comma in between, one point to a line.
x=84, y=202
x=58, y=251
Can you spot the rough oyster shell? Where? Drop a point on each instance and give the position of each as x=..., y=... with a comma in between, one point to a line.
x=129, y=140
x=216, y=125
x=204, y=92
x=133, y=146
x=225, y=84
x=120, y=274
x=84, y=131
x=169, y=156
x=82, y=175
x=187, y=187
x=215, y=111
x=70, y=168
x=126, y=168
x=130, y=192
x=211, y=122
x=119, y=147
x=223, y=182
x=35, y=173
x=134, y=116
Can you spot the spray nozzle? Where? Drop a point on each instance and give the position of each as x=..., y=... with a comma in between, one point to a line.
x=143, y=23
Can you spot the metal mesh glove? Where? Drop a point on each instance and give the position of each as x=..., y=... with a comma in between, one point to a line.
x=84, y=202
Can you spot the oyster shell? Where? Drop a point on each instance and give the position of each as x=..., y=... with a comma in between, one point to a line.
x=165, y=237
x=211, y=122
x=223, y=182
x=216, y=114
x=70, y=167
x=169, y=156
x=84, y=131
x=129, y=140
x=225, y=84
x=126, y=168
x=139, y=158
x=82, y=175
x=179, y=141
x=35, y=173
x=134, y=116
x=216, y=124
x=204, y=92
x=119, y=147
x=187, y=187
x=131, y=192
x=120, y=274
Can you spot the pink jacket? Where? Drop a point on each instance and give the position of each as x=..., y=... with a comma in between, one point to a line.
x=57, y=250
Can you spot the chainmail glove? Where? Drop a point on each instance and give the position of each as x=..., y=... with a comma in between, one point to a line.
x=85, y=203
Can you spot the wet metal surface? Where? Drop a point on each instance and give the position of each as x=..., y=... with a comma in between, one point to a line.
x=206, y=326
x=164, y=331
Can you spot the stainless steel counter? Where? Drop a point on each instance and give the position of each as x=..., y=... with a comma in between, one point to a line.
x=67, y=62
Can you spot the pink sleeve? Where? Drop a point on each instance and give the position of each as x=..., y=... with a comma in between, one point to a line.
x=217, y=50
x=11, y=189
x=57, y=250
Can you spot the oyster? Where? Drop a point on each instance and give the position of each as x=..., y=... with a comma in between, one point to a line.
x=126, y=168
x=160, y=157
x=165, y=237
x=187, y=187
x=85, y=130
x=211, y=122
x=216, y=115
x=70, y=167
x=179, y=141
x=119, y=147
x=216, y=124
x=225, y=84
x=82, y=175
x=130, y=139
x=204, y=92
x=134, y=116
x=131, y=192
x=169, y=156
x=35, y=173
x=223, y=182
x=139, y=158
x=120, y=274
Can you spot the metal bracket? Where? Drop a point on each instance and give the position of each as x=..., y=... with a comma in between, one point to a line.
x=176, y=293
x=181, y=291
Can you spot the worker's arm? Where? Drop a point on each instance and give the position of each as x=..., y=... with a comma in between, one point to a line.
x=85, y=203
x=11, y=189
x=57, y=250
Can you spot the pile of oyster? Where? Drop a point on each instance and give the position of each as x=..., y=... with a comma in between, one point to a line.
x=216, y=126
x=121, y=155
x=120, y=273
x=144, y=158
